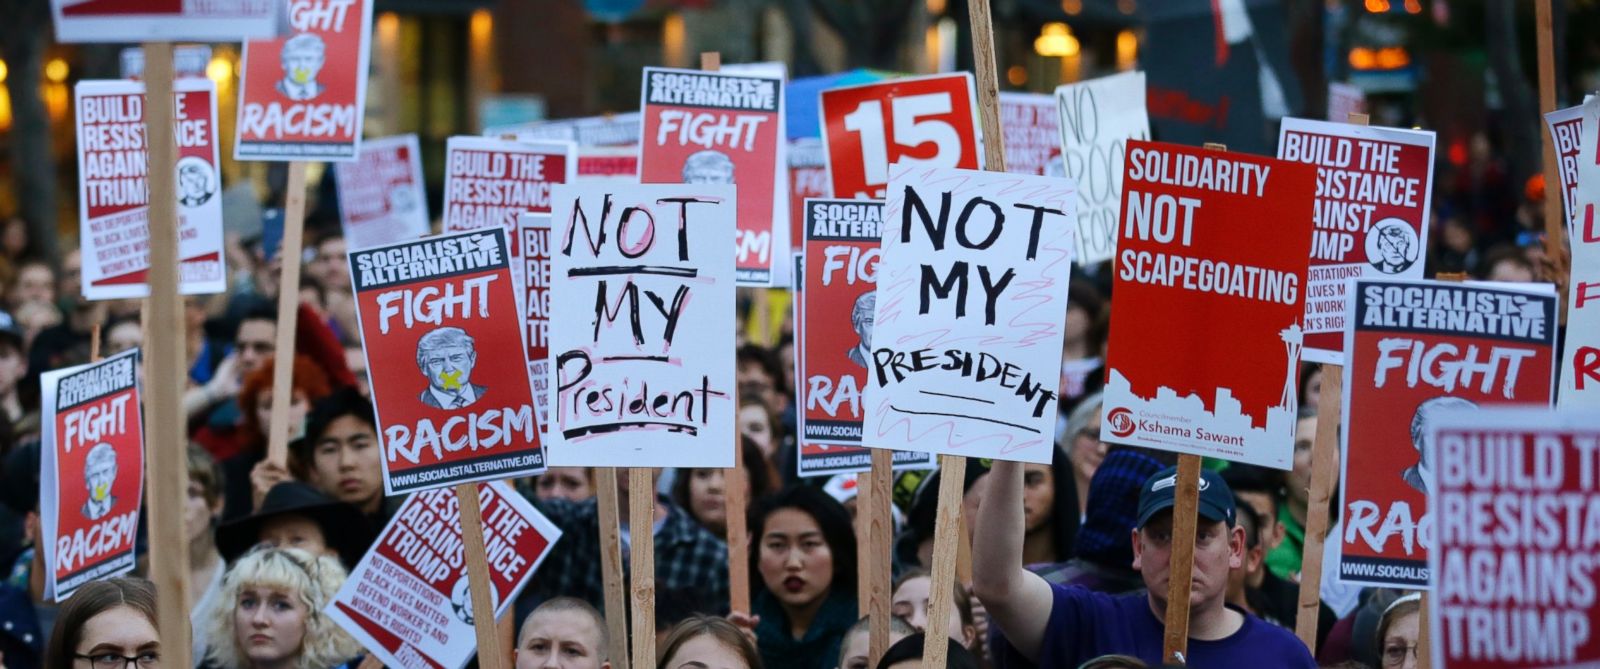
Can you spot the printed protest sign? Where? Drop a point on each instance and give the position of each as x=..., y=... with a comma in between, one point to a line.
x=408, y=603
x=113, y=195
x=1029, y=123
x=1416, y=348
x=1580, y=361
x=1207, y=297
x=920, y=121
x=718, y=128
x=534, y=231
x=1566, y=129
x=382, y=196
x=164, y=20
x=492, y=182
x=966, y=338
x=443, y=304
x=842, y=240
x=618, y=164
x=1516, y=512
x=611, y=130
x=1097, y=119
x=1344, y=100
x=808, y=178
x=644, y=367
x=188, y=60
x=302, y=95
x=1371, y=219
x=92, y=472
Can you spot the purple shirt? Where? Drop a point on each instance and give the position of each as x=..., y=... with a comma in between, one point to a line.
x=1085, y=625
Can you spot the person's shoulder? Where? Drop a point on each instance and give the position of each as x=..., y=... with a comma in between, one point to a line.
x=1275, y=642
x=1104, y=606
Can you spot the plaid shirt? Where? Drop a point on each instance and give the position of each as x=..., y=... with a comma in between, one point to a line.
x=689, y=558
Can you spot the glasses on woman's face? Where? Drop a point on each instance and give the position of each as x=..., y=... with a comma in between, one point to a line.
x=145, y=660
x=1393, y=655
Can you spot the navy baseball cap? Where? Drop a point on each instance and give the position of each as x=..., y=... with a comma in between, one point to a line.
x=1159, y=493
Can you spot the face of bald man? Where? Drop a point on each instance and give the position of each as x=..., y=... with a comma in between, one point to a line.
x=560, y=639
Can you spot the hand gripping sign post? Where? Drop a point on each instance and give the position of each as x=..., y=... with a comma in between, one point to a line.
x=382, y=195
x=1097, y=118
x=928, y=121
x=1417, y=348
x=164, y=20
x=1516, y=506
x=408, y=601
x=92, y=468
x=1580, y=362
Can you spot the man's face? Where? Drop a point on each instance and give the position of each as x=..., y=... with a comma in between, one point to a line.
x=863, y=325
x=713, y=173
x=254, y=345
x=99, y=477
x=193, y=182
x=302, y=65
x=1265, y=508
x=331, y=265
x=35, y=283
x=449, y=367
x=346, y=463
x=71, y=281
x=559, y=640
x=1393, y=249
x=1218, y=549
x=1305, y=434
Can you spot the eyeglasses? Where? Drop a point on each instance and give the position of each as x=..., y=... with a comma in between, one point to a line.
x=1393, y=656
x=147, y=660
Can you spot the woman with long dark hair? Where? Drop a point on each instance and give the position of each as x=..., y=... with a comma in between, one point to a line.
x=803, y=568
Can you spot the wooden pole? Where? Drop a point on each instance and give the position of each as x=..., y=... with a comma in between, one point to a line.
x=94, y=339
x=294, y=214
x=1185, y=518
x=1554, y=223
x=506, y=629
x=863, y=528
x=1424, y=649
x=490, y=654
x=167, y=475
x=611, y=568
x=641, y=539
x=879, y=553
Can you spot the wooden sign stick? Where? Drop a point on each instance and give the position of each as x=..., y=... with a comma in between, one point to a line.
x=642, y=541
x=1324, y=477
x=167, y=475
x=294, y=214
x=880, y=551
x=1555, y=246
x=611, y=567
x=490, y=655
x=863, y=529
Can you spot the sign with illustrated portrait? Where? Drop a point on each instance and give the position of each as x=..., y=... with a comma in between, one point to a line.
x=302, y=95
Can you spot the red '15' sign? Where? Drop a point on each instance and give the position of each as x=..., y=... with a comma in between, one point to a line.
x=927, y=121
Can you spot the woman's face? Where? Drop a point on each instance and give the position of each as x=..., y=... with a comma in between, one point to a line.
x=1038, y=496
x=753, y=423
x=1087, y=450
x=125, y=336
x=707, y=497
x=564, y=483
x=910, y=602
x=705, y=652
x=795, y=561
x=1400, y=642
x=269, y=624
x=120, y=630
x=197, y=512
x=853, y=652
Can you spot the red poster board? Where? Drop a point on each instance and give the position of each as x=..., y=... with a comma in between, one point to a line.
x=382, y=195
x=302, y=95
x=919, y=121
x=1032, y=133
x=534, y=257
x=1566, y=128
x=444, y=343
x=164, y=20
x=1417, y=348
x=1208, y=294
x=92, y=476
x=808, y=178
x=1516, y=502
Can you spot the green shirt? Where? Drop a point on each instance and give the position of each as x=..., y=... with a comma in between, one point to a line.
x=1284, y=561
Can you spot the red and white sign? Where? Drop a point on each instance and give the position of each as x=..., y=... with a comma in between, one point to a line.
x=113, y=194
x=492, y=182
x=188, y=60
x=1097, y=118
x=92, y=477
x=1580, y=363
x=430, y=310
x=302, y=95
x=618, y=164
x=1417, y=348
x=534, y=247
x=164, y=20
x=613, y=130
x=1344, y=100
x=966, y=338
x=718, y=128
x=1371, y=220
x=1566, y=128
x=1516, y=506
x=808, y=178
x=1032, y=132
x=408, y=601
x=919, y=121
x=1208, y=292
x=382, y=196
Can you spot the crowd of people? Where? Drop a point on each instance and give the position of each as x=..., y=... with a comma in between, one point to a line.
x=1070, y=563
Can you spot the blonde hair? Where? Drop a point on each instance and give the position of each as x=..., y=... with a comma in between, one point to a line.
x=312, y=579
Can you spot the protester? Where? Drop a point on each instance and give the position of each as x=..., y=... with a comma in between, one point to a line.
x=13, y=367
x=758, y=422
x=853, y=653
x=201, y=511
x=35, y=281
x=1259, y=490
x=570, y=483
x=269, y=614
x=120, y=334
x=1398, y=632
x=907, y=654
x=1506, y=263
x=1054, y=625
x=756, y=374
x=706, y=642
x=563, y=633
x=910, y=602
x=1115, y=662
x=1103, y=555
x=296, y=515
x=341, y=457
x=702, y=491
x=21, y=639
x=242, y=450
x=1085, y=451
x=1284, y=561
x=1082, y=362
x=803, y=568
x=104, y=624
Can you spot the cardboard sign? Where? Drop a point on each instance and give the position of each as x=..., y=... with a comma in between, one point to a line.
x=1517, y=501
x=966, y=340
x=606, y=163
x=92, y=472
x=920, y=121
x=1371, y=219
x=1207, y=295
x=1098, y=117
x=1417, y=347
x=382, y=195
x=1566, y=128
x=302, y=95
x=808, y=178
x=408, y=603
x=113, y=196
x=492, y=182
x=534, y=233
x=715, y=128
x=164, y=20
x=843, y=239
x=188, y=60
x=612, y=130
x=1344, y=100
x=644, y=366
x=1032, y=134
x=1580, y=361
x=430, y=310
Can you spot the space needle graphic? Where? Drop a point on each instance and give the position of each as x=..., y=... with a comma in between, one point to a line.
x=1292, y=337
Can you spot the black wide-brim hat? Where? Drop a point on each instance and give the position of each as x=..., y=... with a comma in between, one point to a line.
x=344, y=528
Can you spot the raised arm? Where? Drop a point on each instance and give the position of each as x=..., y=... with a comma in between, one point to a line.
x=1018, y=600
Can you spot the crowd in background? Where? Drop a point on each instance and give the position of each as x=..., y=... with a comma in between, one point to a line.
x=269, y=545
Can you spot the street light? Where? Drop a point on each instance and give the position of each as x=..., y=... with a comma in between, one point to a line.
x=1056, y=40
